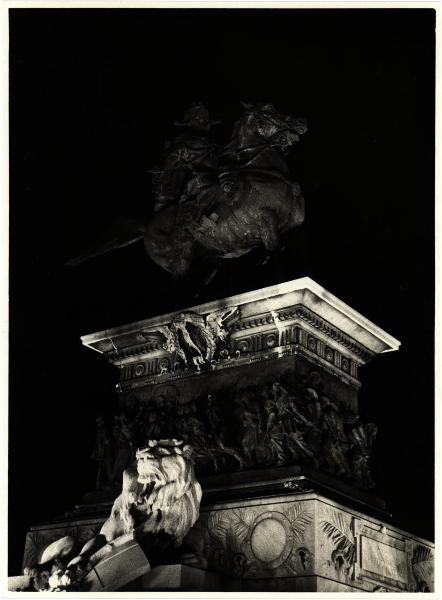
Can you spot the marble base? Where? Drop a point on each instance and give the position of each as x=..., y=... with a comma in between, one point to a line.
x=116, y=565
x=308, y=542
x=174, y=578
x=266, y=528
x=278, y=534
x=179, y=577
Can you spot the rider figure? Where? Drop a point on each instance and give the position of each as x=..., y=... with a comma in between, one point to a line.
x=190, y=160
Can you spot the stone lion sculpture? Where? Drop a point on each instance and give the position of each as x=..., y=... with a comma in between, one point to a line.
x=160, y=498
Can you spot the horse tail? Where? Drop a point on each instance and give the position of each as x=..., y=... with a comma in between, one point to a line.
x=119, y=234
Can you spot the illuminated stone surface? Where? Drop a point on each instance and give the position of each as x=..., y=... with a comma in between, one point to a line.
x=268, y=540
x=272, y=518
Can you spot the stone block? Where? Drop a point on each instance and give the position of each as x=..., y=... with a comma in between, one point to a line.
x=116, y=567
x=307, y=542
x=183, y=577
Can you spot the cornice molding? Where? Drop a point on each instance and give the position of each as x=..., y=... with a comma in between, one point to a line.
x=298, y=300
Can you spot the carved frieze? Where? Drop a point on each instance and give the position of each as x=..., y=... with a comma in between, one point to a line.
x=295, y=318
x=203, y=340
x=422, y=568
x=338, y=534
x=285, y=318
x=190, y=340
x=284, y=421
x=195, y=335
x=299, y=340
x=299, y=536
x=255, y=347
x=253, y=541
x=362, y=553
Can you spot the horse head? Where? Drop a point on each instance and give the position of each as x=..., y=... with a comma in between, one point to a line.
x=276, y=129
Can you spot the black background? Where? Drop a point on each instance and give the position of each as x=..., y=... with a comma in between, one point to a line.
x=93, y=95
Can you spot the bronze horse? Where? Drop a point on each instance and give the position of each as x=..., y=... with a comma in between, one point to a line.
x=246, y=201
x=218, y=203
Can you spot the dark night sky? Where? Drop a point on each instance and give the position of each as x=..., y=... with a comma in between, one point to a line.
x=93, y=95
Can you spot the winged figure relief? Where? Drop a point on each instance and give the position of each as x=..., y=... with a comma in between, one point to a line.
x=194, y=337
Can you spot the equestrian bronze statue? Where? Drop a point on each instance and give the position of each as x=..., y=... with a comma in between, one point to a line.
x=219, y=201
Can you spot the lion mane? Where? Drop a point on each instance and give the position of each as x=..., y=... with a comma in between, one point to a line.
x=159, y=494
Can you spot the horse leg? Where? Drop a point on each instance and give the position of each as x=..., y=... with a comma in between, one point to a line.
x=232, y=452
x=268, y=229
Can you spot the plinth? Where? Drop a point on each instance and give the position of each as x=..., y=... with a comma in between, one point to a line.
x=264, y=386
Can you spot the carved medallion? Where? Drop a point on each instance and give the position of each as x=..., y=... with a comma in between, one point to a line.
x=139, y=370
x=271, y=340
x=243, y=346
x=329, y=354
x=271, y=539
x=312, y=344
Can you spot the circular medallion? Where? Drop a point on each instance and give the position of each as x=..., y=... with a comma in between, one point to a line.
x=271, y=539
x=163, y=364
x=312, y=344
x=271, y=340
x=345, y=364
x=329, y=354
x=243, y=346
x=139, y=370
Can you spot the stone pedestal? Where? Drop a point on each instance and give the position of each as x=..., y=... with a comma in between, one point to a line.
x=283, y=533
x=264, y=386
x=301, y=540
x=116, y=565
x=214, y=373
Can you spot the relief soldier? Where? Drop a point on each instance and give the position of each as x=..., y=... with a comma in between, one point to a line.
x=250, y=426
x=217, y=432
x=335, y=442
